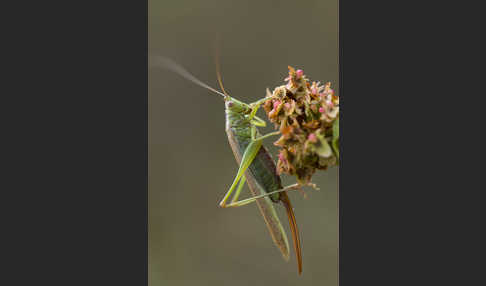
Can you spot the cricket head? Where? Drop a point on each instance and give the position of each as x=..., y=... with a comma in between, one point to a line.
x=236, y=106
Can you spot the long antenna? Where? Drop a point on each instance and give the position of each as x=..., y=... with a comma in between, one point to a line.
x=178, y=69
x=217, y=63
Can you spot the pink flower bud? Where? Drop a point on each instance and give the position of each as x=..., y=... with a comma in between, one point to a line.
x=321, y=109
x=299, y=73
x=312, y=137
x=276, y=103
x=314, y=90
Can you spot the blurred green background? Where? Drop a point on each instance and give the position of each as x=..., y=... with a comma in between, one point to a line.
x=191, y=240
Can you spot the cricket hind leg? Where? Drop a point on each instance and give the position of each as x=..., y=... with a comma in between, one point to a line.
x=238, y=190
x=248, y=157
x=293, y=187
x=235, y=203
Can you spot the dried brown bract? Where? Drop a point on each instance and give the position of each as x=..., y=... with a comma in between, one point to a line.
x=307, y=115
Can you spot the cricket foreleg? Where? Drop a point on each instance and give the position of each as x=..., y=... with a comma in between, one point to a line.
x=257, y=121
x=254, y=108
x=261, y=101
x=268, y=135
x=261, y=137
x=248, y=157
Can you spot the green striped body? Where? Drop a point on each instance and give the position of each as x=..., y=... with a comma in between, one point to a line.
x=261, y=176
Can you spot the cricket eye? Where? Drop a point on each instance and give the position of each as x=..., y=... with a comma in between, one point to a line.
x=230, y=104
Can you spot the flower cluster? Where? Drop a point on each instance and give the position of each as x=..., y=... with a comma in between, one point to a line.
x=307, y=115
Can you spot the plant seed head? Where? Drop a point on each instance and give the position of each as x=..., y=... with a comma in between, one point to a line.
x=307, y=116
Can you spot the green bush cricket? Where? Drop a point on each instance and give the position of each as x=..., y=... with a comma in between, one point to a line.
x=256, y=167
